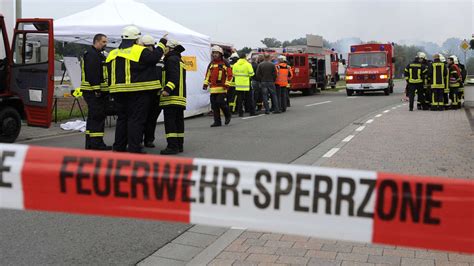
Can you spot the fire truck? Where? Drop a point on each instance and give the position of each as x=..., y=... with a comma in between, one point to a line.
x=26, y=76
x=311, y=70
x=370, y=68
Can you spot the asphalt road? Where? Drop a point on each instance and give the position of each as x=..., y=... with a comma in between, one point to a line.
x=46, y=238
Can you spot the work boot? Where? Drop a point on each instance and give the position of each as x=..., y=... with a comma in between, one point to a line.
x=169, y=151
x=149, y=144
x=227, y=119
x=217, y=124
x=241, y=115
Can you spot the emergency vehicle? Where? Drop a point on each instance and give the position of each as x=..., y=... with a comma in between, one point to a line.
x=311, y=71
x=26, y=76
x=370, y=68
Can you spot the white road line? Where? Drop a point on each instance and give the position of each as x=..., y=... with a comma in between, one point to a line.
x=330, y=153
x=360, y=128
x=400, y=105
x=369, y=121
x=352, y=97
x=379, y=115
x=348, y=138
x=386, y=111
x=250, y=117
x=313, y=104
x=393, y=108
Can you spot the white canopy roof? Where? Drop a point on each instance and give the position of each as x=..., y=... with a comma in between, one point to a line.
x=112, y=16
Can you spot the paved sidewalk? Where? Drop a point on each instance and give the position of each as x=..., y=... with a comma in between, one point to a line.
x=394, y=140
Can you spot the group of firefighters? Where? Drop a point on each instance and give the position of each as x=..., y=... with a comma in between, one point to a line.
x=439, y=85
x=236, y=85
x=143, y=78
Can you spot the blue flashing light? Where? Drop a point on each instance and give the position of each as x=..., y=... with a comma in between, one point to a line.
x=353, y=49
x=382, y=48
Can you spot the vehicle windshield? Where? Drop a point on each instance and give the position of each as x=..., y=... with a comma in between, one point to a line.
x=368, y=60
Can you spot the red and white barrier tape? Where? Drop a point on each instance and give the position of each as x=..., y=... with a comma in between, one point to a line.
x=366, y=206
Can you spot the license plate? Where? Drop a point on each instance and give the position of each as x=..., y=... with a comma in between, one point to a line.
x=365, y=86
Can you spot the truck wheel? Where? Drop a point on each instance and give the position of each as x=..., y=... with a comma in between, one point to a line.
x=349, y=92
x=387, y=91
x=307, y=92
x=10, y=124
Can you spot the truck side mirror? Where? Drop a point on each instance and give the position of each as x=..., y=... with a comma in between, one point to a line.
x=393, y=60
x=343, y=61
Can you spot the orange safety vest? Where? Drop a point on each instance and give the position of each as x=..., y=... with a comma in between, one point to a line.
x=284, y=74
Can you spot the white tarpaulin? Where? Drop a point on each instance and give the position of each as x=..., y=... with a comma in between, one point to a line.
x=112, y=16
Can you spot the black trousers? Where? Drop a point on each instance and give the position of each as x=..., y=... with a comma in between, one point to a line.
x=132, y=111
x=411, y=91
x=454, y=96
x=278, y=98
x=153, y=114
x=437, y=99
x=218, y=103
x=244, y=98
x=174, y=127
x=231, y=100
x=96, y=116
x=283, y=98
x=422, y=97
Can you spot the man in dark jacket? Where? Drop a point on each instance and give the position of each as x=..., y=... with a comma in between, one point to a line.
x=132, y=81
x=94, y=89
x=173, y=98
x=267, y=74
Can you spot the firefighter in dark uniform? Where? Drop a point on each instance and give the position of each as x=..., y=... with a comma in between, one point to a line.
x=455, y=78
x=173, y=97
x=155, y=109
x=415, y=74
x=133, y=81
x=437, y=79
x=425, y=92
x=94, y=90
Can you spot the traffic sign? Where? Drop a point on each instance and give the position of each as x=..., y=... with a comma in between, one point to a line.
x=464, y=45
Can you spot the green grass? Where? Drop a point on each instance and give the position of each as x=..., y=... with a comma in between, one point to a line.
x=63, y=114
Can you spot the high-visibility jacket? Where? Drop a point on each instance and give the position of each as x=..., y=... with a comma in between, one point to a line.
x=93, y=70
x=437, y=74
x=415, y=73
x=174, y=81
x=242, y=71
x=284, y=74
x=218, y=76
x=454, y=76
x=134, y=68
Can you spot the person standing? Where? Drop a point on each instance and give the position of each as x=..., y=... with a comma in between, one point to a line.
x=454, y=83
x=132, y=81
x=437, y=80
x=267, y=74
x=242, y=72
x=231, y=93
x=173, y=98
x=423, y=94
x=256, y=92
x=218, y=80
x=284, y=75
x=415, y=74
x=155, y=109
x=94, y=89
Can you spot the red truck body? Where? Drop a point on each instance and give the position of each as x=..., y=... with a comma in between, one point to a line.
x=370, y=68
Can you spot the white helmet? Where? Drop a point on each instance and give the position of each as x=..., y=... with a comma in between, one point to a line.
x=282, y=58
x=147, y=40
x=173, y=44
x=442, y=58
x=421, y=55
x=130, y=33
x=234, y=55
x=455, y=59
x=218, y=49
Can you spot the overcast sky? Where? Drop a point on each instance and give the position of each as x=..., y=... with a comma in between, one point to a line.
x=245, y=23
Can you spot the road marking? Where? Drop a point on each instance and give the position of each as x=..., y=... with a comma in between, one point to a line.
x=352, y=97
x=250, y=117
x=360, y=128
x=400, y=105
x=386, y=111
x=369, y=121
x=313, y=104
x=393, y=108
x=379, y=115
x=348, y=138
x=330, y=153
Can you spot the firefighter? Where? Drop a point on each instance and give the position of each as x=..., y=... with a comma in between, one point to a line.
x=94, y=89
x=423, y=93
x=173, y=97
x=256, y=92
x=242, y=71
x=284, y=74
x=231, y=99
x=442, y=59
x=133, y=82
x=454, y=83
x=437, y=80
x=415, y=73
x=155, y=109
x=218, y=80
x=462, y=68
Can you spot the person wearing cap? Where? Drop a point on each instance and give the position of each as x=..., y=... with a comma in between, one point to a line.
x=284, y=75
x=454, y=80
x=437, y=80
x=242, y=72
x=217, y=81
x=415, y=74
x=173, y=97
x=94, y=90
x=155, y=109
x=133, y=82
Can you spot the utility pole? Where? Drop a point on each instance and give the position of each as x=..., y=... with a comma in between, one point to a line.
x=18, y=12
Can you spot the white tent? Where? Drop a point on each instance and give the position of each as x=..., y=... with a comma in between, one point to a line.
x=112, y=16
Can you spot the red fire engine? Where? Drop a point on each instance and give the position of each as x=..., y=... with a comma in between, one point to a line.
x=370, y=68
x=26, y=76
